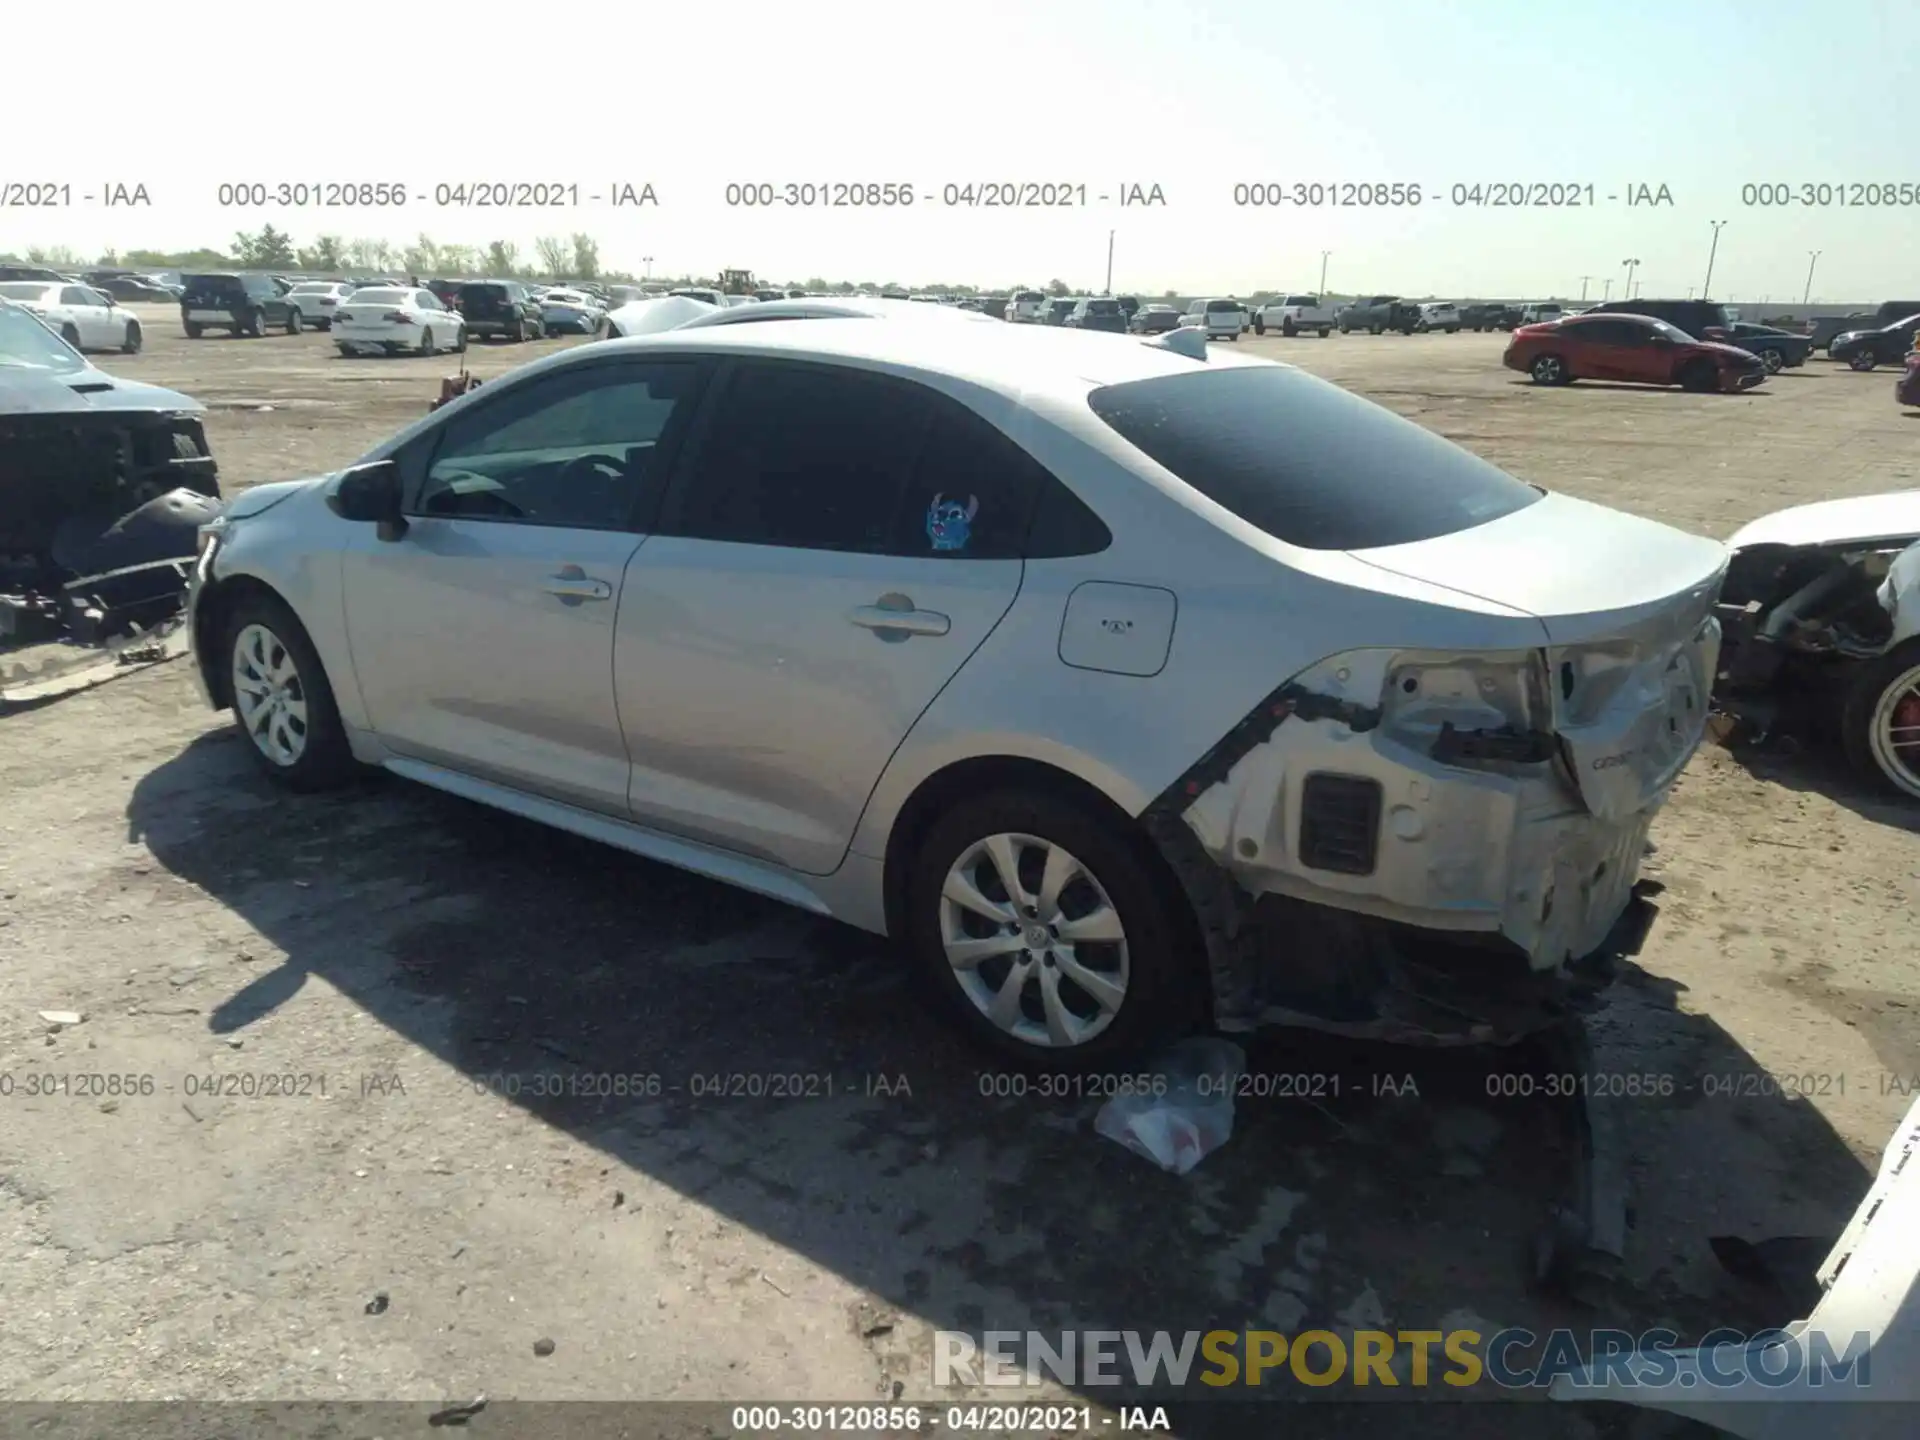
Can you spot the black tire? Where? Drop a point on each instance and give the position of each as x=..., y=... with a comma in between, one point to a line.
x=256, y=323
x=1259, y=326
x=295, y=322
x=1863, y=360
x=1287, y=329
x=130, y=344
x=519, y=336
x=1164, y=993
x=71, y=335
x=1373, y=329
x=1774, y=359
x=1550, y=370
x=194, y=332
x=1700, y=376
x=461, y=348
x=325, y=762
x=1453, y=329
x=1324, y=332
x=427, y=347
x=1858, y=703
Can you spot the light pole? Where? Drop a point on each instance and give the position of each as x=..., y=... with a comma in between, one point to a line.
x=1812, y=256
x=1323, y=273
x=1584, y=280
x=1706, y=285
x=1109, y=289
x=1606, y=294
x=1626, y=290
x=647, y=260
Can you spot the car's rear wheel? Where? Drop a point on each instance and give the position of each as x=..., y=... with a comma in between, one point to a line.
x=460, y=345
x=1880, y=719
x=281, y=698
x=1863, y=360
x=1700, y=376
x=1324, y=332
x=1549, y=370
x=519, y=335
x=1045, y=932
x=427, y=347
x=1259, y=326
x=130, y=342
x=255, y=323
x=1773, y=360
x=295, y=322
x=71, y=335
x=194, y=332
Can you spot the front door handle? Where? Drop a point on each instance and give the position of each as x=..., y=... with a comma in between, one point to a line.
x=893, y=617
x=573, y=585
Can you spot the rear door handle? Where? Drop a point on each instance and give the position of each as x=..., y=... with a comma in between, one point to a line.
x=572, y=585
x=896, y=613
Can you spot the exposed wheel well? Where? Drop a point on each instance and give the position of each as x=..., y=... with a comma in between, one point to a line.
x=210, y=627
x=973, y=777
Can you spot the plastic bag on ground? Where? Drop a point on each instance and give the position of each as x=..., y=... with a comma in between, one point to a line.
x=1191, y=1117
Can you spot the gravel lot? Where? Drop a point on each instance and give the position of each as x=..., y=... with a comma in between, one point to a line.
x=404, y=951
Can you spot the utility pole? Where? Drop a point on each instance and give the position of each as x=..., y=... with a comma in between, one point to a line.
x=1706, y=285
x=1323, y=273
x=1109, y=289
x=1626, y=290
x=1812, y=256
x=647, y=260
x=1584, y=281
x=1607, y=293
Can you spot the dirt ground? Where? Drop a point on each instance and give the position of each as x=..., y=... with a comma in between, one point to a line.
x=425, y=970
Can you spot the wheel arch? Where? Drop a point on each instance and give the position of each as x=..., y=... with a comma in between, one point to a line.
x=211, y=613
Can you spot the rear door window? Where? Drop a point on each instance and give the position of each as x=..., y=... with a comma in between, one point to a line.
x=1367, y=478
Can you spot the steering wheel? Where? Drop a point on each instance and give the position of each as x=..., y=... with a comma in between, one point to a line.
x=591, y=483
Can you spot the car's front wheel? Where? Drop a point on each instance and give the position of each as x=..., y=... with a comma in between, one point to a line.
x=130, y=342
x=1863, y=360
x=1549, y=370
x=295, y=322
x=1043, y=929
x=281, y=698
x=1773, y=360
x=1880, y=719
x=71, y=335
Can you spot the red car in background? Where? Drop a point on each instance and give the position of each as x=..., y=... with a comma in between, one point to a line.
x=1632, y=348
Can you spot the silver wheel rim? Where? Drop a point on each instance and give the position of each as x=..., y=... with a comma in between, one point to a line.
x=1034, y=940
x=1894, y=736
x=268, y=695
x=1546, y=368
x=1773, y=362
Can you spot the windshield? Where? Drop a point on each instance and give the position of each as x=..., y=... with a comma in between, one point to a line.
x=26, y=344
x=1103, y=307
x=23, y=290
x=1369, y=478
x=1221, y=307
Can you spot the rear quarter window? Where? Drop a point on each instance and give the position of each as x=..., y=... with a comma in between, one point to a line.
x=1307, y=462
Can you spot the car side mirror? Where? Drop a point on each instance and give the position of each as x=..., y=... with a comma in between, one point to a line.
x=371, y=494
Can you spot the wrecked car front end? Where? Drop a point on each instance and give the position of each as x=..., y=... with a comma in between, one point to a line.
x=1821, y=609
x=103, y=484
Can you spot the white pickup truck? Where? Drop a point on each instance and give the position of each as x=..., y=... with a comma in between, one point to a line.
x=1290, y=314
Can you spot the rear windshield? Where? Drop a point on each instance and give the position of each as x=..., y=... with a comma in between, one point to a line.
x=1221, y=307
x=23, y=290
x=1028, y=297
x=382, y=297
x=1300, y=300
x=214, y=284
x=1103, y=307
x=312, y=287
x=1367, y=477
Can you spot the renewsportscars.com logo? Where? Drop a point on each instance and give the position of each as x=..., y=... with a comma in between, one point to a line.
x=1510, y=1359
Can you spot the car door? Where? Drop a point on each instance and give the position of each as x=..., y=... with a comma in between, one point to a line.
x=1599, y=349
x=482, y=639
x=829, y=558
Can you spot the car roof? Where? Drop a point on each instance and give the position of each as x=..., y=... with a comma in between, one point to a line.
x=1012, y=359
x=823, y=309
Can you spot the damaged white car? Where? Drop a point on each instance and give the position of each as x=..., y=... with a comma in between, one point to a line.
x=1051, y=655
x=1822, y=616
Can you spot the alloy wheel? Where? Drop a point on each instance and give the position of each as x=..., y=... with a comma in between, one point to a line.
x=1894, y=731
x=1034, y=940
x=269, y=695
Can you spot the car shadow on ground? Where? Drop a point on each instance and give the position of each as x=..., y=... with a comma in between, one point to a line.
x=1805, y=761
x=1405, y=1193
x=1639, y=387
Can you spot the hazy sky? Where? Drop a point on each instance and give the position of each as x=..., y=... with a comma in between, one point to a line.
x=1702, y=96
